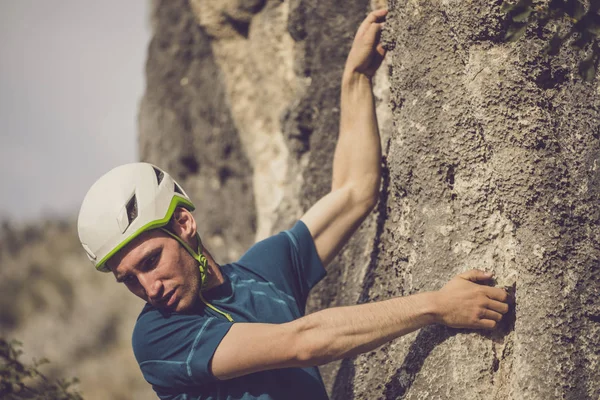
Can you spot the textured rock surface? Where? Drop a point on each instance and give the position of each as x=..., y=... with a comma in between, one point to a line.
x=491, y=165
x=490, y=161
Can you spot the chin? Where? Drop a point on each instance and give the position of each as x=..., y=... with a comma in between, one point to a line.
x=183, y=305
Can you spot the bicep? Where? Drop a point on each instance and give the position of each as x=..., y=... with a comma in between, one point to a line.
x=333, y=219
x=254, y=347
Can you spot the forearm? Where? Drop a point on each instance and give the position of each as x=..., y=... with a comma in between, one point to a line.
x=342, y=332
x=357, y=158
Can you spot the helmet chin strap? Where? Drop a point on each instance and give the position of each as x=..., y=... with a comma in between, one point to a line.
x=202, y=265
x=198, y=256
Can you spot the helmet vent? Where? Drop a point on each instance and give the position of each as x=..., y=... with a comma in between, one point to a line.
x=159, y=175
x=132, y=209
x=177, y=189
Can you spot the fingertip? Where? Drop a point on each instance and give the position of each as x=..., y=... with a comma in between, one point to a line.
x=488, y=324
x=475, y=275
x=380, y=12
x=484, y=275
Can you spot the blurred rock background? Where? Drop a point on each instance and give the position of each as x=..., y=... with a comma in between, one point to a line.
x=490, y=161
x=59, y=309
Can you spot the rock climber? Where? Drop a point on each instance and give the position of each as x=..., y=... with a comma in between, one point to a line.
x=238, y=330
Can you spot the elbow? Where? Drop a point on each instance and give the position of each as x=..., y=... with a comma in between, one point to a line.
x=312, y=355
x=362, y=192
x=366, y=198
x=305, y=357
x=310, y=347
x=365, y=192
x=371, y=202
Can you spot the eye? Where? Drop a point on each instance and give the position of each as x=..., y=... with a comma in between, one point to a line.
x=129, y=280
x=152, y=261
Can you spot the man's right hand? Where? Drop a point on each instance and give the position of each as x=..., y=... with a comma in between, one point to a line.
x=465, y=302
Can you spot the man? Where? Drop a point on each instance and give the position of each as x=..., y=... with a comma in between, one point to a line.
x=238, y=330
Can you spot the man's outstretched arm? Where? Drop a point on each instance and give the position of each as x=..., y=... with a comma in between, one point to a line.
x=336, y=333
x=357, y=159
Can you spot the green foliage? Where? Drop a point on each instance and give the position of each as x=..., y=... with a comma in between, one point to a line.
x=20, y=381
x=580, y=17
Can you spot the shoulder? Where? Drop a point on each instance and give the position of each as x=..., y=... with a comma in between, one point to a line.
x=283, y=243
x=158, y=336
x=176, y=349
x=288, y=259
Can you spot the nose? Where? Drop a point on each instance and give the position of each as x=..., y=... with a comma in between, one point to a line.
x=152, y=287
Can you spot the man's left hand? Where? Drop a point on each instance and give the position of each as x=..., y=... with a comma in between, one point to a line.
x=367, y=53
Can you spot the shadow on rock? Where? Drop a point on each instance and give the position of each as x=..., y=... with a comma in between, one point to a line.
x=432, y=336
x=344, y=381
x=427, y=339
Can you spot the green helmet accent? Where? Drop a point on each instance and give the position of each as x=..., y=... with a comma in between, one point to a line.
x=198, y=256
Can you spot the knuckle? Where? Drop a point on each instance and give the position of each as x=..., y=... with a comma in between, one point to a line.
x=503, y=295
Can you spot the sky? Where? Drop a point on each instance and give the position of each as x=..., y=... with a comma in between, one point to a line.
x=71, y=79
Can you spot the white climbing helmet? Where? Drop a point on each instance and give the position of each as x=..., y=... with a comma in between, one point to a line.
x=123, y=203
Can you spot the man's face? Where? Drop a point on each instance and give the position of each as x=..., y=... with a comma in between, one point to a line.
x=157, y=269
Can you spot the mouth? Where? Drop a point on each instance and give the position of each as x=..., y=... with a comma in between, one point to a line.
x=168, y=300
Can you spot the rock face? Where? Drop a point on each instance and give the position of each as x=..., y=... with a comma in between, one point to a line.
x=492, y=165
x=490, y=161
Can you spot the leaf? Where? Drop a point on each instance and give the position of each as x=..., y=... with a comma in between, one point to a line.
x=584, y=39
x=515, y=32
x=556, y=5
x=553, y=47
x=575, y=9
x=591, y=23
x=522, y=15
x=587, y=69
x=521, y=4
x=507, y=7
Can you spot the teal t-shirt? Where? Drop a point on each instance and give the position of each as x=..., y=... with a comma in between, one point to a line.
x=270, y=284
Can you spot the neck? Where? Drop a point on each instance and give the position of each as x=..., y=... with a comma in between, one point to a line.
x=214, y=277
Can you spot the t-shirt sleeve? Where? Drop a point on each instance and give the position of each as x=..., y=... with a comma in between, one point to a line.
x=305, y=257
x=289, y=260
x=175, y=352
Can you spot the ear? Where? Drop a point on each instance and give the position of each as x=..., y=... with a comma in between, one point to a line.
x=183, y=225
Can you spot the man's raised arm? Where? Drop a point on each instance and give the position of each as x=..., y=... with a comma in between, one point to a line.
x=357, y=159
